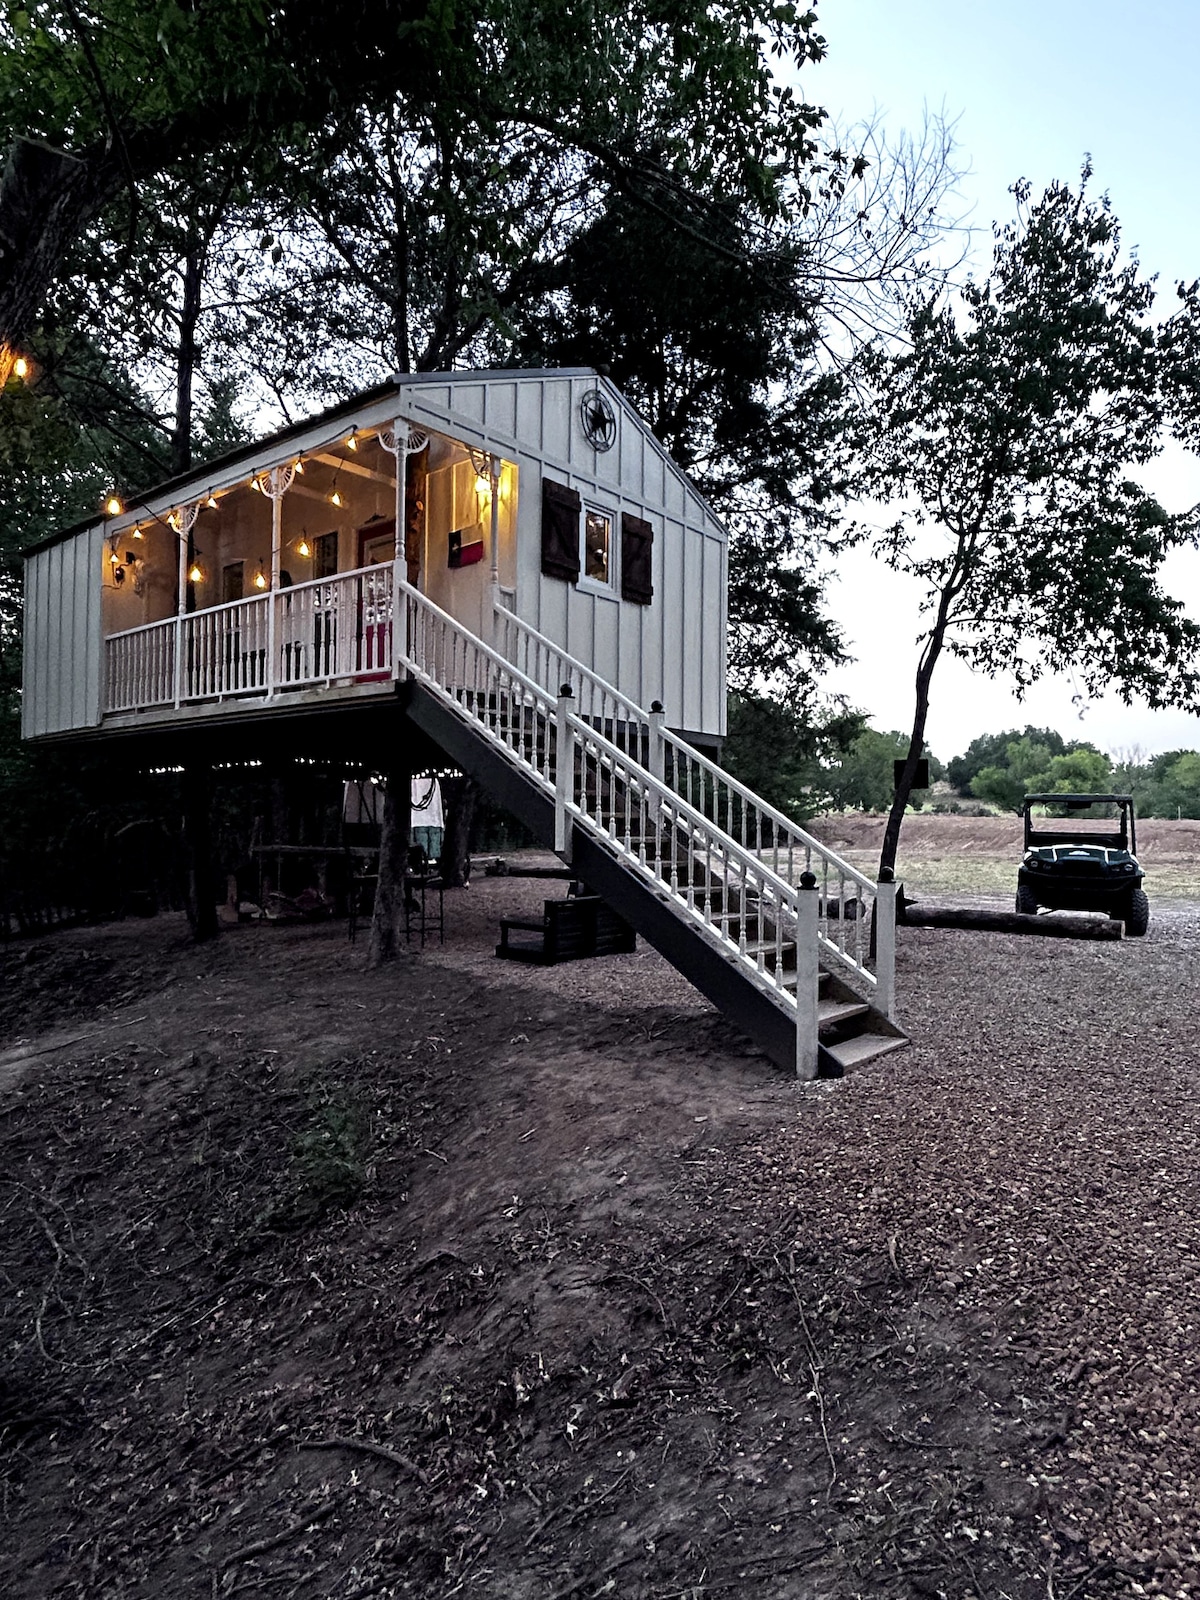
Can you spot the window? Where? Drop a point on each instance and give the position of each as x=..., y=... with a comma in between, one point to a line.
x=325, y=554
x=596, y=552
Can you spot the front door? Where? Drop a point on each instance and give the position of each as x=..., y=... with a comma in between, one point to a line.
x=376, y=548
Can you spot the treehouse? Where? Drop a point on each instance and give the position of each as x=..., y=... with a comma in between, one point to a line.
x=505, y=567
x=535, y=508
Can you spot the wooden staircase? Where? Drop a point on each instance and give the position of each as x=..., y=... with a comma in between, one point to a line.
x=790, y=942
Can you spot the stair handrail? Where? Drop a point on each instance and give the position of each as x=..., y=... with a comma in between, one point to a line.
x=655, y=797
x=664, y=799
x=687, y=756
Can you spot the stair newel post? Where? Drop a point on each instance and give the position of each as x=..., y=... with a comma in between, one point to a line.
x=564, y=773
x=885, y=943
x=808, y=972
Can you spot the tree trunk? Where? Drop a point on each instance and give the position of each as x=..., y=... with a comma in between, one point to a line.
x=185, y=359
x=387, y=924
x=460, y=795
x=201, y=904
x=916, y=743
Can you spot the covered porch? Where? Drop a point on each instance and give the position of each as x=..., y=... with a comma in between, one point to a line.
x=284, y=580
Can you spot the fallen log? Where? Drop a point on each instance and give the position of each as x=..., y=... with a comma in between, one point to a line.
x=1053, y=925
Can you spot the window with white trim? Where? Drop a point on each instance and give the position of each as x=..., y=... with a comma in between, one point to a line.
x=596, y=547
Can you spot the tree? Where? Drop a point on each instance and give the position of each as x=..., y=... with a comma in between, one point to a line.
x=864, y=778
x=991, y=749
x=1031, y=767
x=783, y=754
x=99, y=100
x=1007, y=426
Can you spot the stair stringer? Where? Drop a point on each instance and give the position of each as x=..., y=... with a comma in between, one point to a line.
x=700, y=961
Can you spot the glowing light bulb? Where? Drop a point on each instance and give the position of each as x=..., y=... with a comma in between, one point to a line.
x=300, y=465
x=256, y=485
x=260, y=579
x=303, y=548
x=137, y=533
x=352, y=442
x=113, y=506
x=335, y=498
x=114, y=559
x=211, y=502
x=195, y=574
x=21, y=367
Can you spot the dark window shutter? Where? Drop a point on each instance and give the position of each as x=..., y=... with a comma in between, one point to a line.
x=560, y=531
x=637, y=568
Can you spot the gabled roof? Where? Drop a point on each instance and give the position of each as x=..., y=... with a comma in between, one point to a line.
x=224, y=471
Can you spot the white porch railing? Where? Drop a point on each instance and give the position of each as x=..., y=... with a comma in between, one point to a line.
x=849, y=902
x=329, y=629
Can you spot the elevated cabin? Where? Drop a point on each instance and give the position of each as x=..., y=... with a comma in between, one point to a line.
x=412, y=578
x=535, y=507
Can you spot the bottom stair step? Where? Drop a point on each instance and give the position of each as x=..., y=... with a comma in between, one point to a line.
x=864, y=1047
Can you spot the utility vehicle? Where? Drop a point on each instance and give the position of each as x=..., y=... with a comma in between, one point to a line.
x=1085, y=860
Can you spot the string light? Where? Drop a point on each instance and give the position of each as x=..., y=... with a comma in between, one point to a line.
x=113, y=506
x=21, y=367
x=352, y=442
x=260, y=577
x=137, y=532
x=195, y=573
x=303, y=548
x=335, y=499
x=211, y=502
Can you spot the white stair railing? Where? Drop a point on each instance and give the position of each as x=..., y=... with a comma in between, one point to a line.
x=763, y=925
x=849, y=903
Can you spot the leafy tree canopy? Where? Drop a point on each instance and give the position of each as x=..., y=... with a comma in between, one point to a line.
x=131, y=92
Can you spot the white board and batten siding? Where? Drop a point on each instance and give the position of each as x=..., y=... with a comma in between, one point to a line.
x=63, y=642
x=672, y=650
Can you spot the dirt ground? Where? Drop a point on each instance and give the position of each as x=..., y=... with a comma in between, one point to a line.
x=472, y=1278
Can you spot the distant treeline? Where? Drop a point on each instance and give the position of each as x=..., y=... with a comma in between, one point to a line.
x=1001, y=768
x=841, y=764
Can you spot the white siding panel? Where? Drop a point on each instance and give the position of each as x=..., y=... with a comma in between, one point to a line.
x=674, y=600
x=468, y=401
x=713, y=713
x=606, y=616
x=692, y=625
x=62, y=636
x=556, y=421
x=528, y=428
x=501, y=414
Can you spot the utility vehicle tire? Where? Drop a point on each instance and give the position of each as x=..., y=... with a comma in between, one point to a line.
x=1026, y=901
x=1137, y=914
